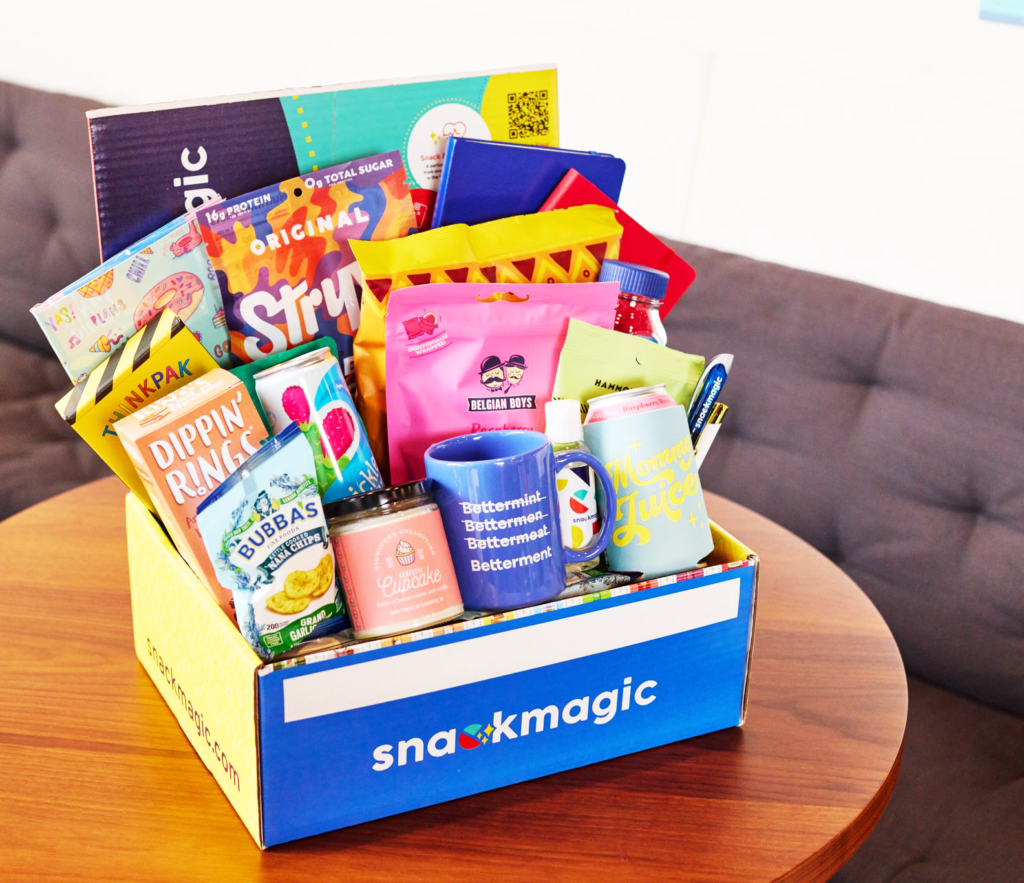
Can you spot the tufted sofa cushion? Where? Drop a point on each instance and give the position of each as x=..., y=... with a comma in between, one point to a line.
x=47, y=239
x=889, y=433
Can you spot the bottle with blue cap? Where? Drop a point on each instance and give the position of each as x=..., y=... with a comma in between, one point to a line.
x=641, y=292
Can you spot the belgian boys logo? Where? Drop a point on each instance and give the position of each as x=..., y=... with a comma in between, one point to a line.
x=501, y=378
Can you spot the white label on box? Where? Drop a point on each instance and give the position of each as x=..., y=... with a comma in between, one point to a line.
x=504, y=653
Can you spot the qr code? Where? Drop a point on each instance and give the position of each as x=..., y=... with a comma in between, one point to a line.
x=529, y=114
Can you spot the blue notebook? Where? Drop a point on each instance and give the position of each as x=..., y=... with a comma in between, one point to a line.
x=487, y=180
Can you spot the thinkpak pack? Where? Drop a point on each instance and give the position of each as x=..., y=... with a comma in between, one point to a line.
x=475, y=358
x=162, y=357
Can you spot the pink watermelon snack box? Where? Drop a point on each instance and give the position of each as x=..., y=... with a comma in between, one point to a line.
x=310, y=391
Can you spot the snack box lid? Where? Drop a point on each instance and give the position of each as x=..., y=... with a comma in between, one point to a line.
x=126, y=362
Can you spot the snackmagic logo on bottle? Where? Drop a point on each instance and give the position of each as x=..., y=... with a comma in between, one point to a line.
x=504, y=726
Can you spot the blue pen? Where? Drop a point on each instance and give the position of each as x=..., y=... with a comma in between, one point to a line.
x=706, y=393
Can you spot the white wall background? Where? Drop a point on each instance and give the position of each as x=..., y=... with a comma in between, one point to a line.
x=881, y=141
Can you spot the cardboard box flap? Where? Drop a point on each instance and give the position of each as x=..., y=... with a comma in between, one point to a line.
x=198, y=660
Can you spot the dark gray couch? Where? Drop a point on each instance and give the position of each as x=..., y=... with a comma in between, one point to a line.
x=889, y=433
x=884, y=430
x=47, y=239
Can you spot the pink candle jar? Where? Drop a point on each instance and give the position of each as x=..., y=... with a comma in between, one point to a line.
x=396, y=570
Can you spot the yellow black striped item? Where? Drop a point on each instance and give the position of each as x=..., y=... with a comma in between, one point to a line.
x=117, y=366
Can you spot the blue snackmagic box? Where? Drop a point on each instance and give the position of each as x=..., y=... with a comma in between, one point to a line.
x=343, y=732
x=95, y=315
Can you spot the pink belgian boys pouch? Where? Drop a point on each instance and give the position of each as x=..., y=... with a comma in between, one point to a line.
x=476, y=357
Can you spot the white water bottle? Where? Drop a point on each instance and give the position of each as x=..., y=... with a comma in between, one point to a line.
x=576, y=482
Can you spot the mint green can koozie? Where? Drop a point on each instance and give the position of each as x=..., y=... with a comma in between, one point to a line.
x=661, y=522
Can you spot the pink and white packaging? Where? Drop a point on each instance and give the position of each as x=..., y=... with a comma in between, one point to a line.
x=477, y=357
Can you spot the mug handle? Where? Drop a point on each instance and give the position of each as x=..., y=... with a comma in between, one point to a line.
x=563, y=459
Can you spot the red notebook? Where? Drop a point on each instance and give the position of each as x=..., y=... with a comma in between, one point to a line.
x=638, y=245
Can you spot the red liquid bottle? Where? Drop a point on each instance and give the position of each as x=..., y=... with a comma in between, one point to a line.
x=641, y=291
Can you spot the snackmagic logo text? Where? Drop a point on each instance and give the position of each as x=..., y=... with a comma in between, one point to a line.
x=194, y=715
x=503, y=726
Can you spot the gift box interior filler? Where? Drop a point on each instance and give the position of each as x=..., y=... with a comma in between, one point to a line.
x=343, y=737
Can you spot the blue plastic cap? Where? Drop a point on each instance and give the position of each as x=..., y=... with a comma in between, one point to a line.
x=635, y=279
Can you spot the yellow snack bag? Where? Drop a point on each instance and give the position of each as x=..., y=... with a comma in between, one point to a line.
x=368, y=360
x=161, y=357
x=565, y=245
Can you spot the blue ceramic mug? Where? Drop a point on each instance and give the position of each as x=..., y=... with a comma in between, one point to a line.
x=498, y=499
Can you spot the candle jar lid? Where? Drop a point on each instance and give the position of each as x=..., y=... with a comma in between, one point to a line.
x=387, y=500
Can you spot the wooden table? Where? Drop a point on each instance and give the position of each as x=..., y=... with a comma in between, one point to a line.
x=98, y=782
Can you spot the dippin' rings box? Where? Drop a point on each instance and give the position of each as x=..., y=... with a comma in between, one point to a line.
x=351, y=733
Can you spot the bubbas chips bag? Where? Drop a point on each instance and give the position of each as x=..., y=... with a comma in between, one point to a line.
x=266, y=534
x=283, y=257
x=475, y=358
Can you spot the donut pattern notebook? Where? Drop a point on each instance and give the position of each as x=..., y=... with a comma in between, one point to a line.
x=168, y=270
